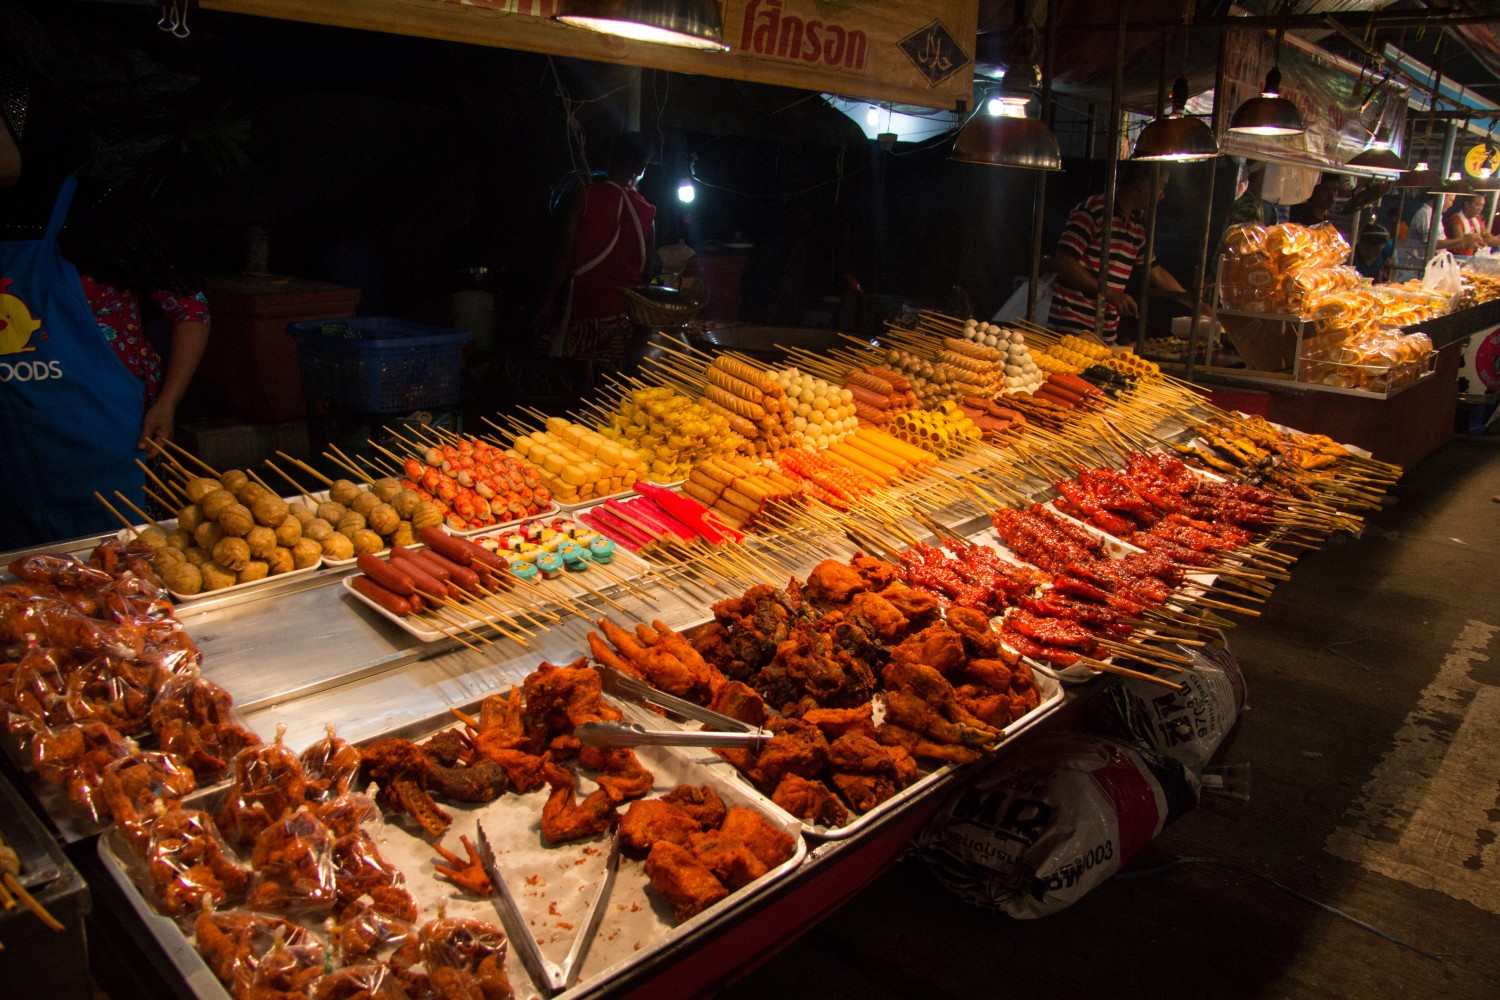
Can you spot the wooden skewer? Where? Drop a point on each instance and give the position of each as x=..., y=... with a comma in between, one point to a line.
x=433, y=602
x=1114, y=668
x=180, y=450
x=426, y=620
x=172, y=494
x=306, y=468
x=143, y=515
x=129, y=525
x=1145, y=654
x=25, y=897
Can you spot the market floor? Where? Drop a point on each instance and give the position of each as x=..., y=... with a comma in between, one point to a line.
x=1373, y=735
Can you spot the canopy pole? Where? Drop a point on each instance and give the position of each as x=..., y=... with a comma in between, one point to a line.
x=1116, y=112
x=1161, y=104
x=1201, y=277
x=1039, y=191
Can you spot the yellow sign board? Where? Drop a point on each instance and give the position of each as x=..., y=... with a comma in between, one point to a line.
x=875, y=50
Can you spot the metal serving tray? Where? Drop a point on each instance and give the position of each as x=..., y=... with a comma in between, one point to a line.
x=551, y=883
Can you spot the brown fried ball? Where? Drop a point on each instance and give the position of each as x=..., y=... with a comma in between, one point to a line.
x=270, y=510
x=200, y=487
x=289, y=531
x=406, y=504
x=403, y=535
x=306, y=553
x=281, y=561
x=301, y=510
x=232, y=553
x=153, y=537
x=236, y=520
x=317, y=529
x=337, y=546
x=213, y=504
x=427, y=515
x=366, y=540
x=216, y=577
x=255, y=569
x=343, y=491
x=166, y=557
x=189, y=517
x=351, y=522
x=386, y=489
x=197, y=555
x=208, y=534
x=330, y=511
x=183, y=578
x=251, y=492
x=180, y=539
x=234, y=480
x=364, y=503
x=262, y=542
x=382, y=519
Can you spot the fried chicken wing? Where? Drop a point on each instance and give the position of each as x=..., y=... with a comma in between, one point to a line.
x=684, y=882
x=810, y=801
x=835, y=722
x=981, y=640
x=652, y=821
x=564, y=698
x=796, y=748
x=863, y=792
x=564, y=818
x=700, y=802
x=920, y=698
x=331, y=765
x=739, y=700
x=621, y=774
x=919, y=746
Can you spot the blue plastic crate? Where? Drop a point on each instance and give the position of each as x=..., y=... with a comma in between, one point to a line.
x=379, y=364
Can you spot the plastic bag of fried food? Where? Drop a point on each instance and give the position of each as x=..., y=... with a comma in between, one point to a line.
x=189, y=863
x=294, y=867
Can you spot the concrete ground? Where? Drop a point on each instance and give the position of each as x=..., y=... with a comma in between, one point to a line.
x=1373, y=735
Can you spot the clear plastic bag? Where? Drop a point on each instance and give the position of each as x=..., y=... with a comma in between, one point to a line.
x=75, y=756
x=465, y=959
x=360, y=872
x=293, y=864
x=233, y=942
x=268, y=784
x=193, y=717
x=331, y=766
x=131, y=788
x=189, y=863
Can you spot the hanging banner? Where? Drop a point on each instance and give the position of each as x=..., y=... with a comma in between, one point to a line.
x=1345, y=108
x=878, y=50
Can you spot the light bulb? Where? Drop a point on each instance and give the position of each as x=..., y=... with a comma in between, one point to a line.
x=686, y=192
x=872, y=117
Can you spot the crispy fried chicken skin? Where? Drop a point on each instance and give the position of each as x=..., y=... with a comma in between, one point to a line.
x=920, y=608
x=700, y=802
x=878, y=617
x=652, y=821
x=877, y=573
x=764, y=840
x=621, y=774
x=835, y=722
x=936, y=646
x=833, y=583
x=685, y=883
x=740, y=701
x=728, y=857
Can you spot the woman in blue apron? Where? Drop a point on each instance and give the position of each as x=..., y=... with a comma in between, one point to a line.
x=74, y=416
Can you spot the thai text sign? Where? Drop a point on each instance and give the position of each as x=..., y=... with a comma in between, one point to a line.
x=879, y=50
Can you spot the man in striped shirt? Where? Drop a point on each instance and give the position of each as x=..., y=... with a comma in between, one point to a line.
x=1077, y=258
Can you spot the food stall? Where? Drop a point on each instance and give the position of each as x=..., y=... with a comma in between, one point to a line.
x=927, y=530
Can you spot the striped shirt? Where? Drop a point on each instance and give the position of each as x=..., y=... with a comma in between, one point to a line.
x=1073, y=310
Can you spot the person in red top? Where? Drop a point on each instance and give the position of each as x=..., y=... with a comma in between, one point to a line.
x=1467, y=224
x=1076, y=260
x=609, y=243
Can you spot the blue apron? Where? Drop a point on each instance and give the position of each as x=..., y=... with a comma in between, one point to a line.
x=70, y=411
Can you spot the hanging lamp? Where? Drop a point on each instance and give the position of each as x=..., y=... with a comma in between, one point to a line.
x=1176, y=137
x=1455, y=183
x=1008, y=138
x=1270, y=113
x=1422, y=176
x=694, y=24
x=1377, y=156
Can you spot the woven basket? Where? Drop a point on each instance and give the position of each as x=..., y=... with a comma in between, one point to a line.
x=654, y=305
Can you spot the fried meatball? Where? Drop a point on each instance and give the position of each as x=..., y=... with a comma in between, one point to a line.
x=262, y=542
x=317, y=529
x=337, y=546
x=255, y=569
x=180, y=539
x=382, y=519
x=197, y=556
x=330, y=511
x=289, y=531
x=427, y=515
x=189, y=517
x=386, y=489
x=208, y=534
x=364, y=503
x=237, y=520
x=167, y=556
x=343, y=491
x=251, y=492
x=351, y=522
x=270, y=510
x=213, y=504
x=306, y=553
x=216, y=577
x=200, y=487
x=234, y=480
x=232, y=553
x=365, y=540
x=301, y=510
x=280, y=560
x=403, y=535
x=183, y=578
x=406, y=503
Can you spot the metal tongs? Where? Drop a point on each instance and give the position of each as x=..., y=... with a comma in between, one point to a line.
x=628, y=734
x=622, y=685
x=549, y=977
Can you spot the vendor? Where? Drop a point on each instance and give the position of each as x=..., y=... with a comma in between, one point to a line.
x=1373, y=252
x=83, y=392
x=1414, y=249
x=1466, y=226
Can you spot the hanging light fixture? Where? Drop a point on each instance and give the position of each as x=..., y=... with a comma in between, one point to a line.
x=1270, y=113
x=694, y=24
x=1003, y=135
x=1176, y=137
x=1377, y=156
x=1454, y=184
x=1422, y=176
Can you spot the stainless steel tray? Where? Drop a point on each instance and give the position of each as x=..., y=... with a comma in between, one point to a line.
x=549, y=881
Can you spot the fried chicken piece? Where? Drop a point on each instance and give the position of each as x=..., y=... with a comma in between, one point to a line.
x=860, y=754
x=526, y=771
x=372, y=981
x=920, y=608
x=740, y=701
x=863, y=792
x=232, y=944
x=621, y=774
x=564, y=818
x=465, y=960
x=75, y=756
x=470, y=875
x=833, y=583
x=673, y=666
x=293, y=863
x=919, y=698
x=996, y=675
x=268, y=783
x=877, y=573
x=502, y=725
x=835, y=722
x=684, y=882
x=878, y=617
x=360, y=870
x=192, y=718
x=796, y=748
x=347, y=813
x=564, y=698
x=449, y=747
x=827, y=661
x=331, y=765
x=700, y=802
x=810, y=801
x=936, y=646
x=728, y=858
x=981, y=639
x=766, y=842
x=712, y=643
x=189, y=862
x=286, y=972
x=919, y=746
x=402, y=770
x=652, y=821
x=482, y=781
x=998, y=708
x=132, y=786
x=363, y=931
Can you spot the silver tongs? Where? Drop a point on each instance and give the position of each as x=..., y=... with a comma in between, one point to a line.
x=622, y=685
x=549, y=977
x=628, y=734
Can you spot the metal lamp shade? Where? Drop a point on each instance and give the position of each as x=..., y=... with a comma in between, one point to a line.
x=1267, y=116
x=1175, y=139
x=999, y=141
x=1376, y=158
x=1453, y=185
x=692, y=24
x=1423, y=179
